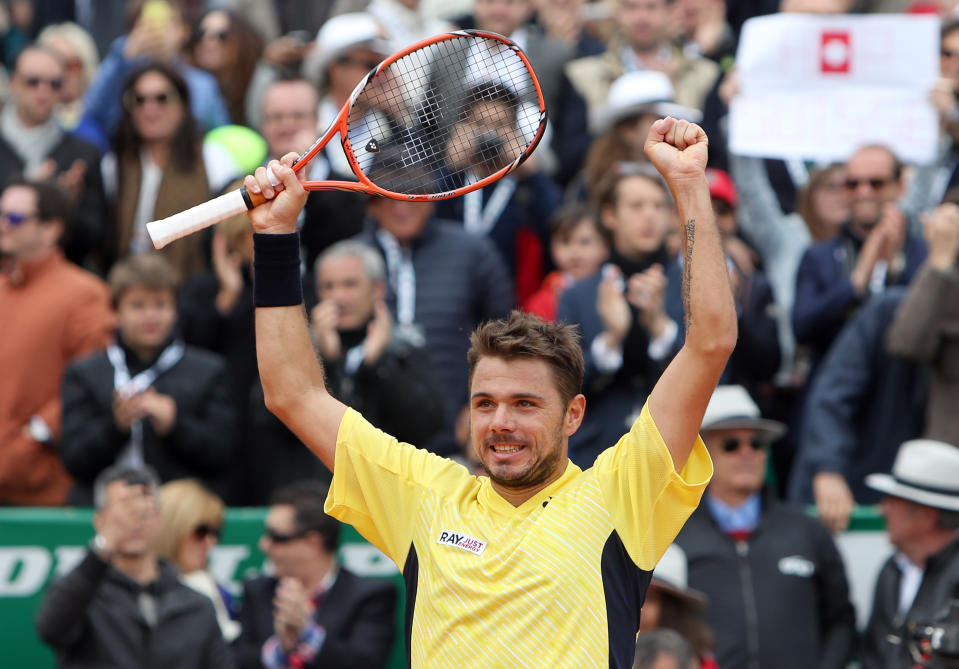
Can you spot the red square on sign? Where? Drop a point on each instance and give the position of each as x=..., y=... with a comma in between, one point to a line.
x=835, y=52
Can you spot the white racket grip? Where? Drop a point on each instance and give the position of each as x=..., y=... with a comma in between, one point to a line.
x=166, y=230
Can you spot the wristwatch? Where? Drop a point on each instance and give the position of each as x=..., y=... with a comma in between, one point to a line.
x=39, y=430
x=98, y=544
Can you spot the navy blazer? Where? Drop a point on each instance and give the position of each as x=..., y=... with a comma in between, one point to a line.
x=357, y=613
x=824, y=294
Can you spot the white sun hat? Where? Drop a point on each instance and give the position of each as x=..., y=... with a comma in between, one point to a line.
x=339, y=35
x=671, y=575
x=644, y=91
x=925, y=471
x=731, y=408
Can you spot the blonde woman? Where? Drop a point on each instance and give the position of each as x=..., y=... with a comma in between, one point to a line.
x=192, y=521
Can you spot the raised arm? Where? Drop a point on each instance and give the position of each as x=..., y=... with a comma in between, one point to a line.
x=677, y=403
x=290, y=371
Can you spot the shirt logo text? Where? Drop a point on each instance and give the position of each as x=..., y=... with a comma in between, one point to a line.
x=462, y=541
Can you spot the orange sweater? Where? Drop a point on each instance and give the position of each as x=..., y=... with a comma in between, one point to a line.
x=52, y=312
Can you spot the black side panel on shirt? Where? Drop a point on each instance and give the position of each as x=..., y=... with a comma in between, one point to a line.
x=624, y=588
x=411, y=574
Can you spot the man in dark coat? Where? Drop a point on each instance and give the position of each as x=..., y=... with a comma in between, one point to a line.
x=313, y=613
x=921, y=510
x=33, y=144
x=861, y=406
x=149, y=398
x=121, y=606
x=775, y=582
x=442, y=282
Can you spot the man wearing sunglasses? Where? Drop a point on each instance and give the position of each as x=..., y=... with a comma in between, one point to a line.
x=312, y=612
x=876, y=248
x=33, y=144
x=775, y=582
x=53, y=313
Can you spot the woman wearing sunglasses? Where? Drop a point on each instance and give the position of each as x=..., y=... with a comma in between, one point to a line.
x=192, y=519
x=157, y=167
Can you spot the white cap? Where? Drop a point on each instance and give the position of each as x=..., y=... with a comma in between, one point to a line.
x=645, y=91
x=340, y=34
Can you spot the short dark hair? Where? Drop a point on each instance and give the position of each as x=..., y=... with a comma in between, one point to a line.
x=143, y=475
x=650, y=645
x=307, y=499
x=948, y=520
x=607, y=189
x=525, y=336
x=948, y=28
x=568, y=217
x=145, y=270
x=53, y=203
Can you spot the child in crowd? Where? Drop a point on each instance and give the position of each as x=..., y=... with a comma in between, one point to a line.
x=579, y=245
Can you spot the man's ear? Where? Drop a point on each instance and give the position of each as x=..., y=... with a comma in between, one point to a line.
x=575, y=412
x=54, y=231
x=379, y=290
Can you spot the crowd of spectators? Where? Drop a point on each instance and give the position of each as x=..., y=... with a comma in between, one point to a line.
x=116, y=113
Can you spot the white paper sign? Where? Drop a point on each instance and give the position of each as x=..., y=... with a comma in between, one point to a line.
x=819, y=87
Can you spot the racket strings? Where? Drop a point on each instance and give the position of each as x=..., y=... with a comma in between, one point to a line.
x=445, y=116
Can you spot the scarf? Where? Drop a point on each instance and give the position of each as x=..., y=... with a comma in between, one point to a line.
x=179, y=190
x=127, y=386
x=33, y=145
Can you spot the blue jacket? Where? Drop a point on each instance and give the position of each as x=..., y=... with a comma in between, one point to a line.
x=825, y=296
x=103, y=102
x=862, y=405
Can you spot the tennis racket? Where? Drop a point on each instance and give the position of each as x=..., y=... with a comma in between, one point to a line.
x=438, y=119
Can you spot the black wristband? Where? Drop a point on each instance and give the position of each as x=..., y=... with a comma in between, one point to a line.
x=276, y=270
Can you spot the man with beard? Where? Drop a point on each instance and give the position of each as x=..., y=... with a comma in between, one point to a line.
x=541, y=561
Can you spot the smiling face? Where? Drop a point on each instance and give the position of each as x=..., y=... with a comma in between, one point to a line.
x=519, y=425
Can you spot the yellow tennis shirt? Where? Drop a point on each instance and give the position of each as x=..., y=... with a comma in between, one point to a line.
x=555, y=582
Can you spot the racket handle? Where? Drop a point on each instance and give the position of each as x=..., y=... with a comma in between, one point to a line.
x=235, y=202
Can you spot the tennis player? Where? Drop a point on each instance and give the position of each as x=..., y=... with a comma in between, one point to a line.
x=541, y=564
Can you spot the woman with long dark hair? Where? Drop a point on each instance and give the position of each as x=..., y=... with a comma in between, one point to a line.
x=157, y=166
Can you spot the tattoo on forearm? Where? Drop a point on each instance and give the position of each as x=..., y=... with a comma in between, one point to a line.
x=689, y=233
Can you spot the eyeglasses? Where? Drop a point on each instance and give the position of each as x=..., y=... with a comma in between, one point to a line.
x=279, y=538
x=732, y=444
x=219, y=35
x=135, y=99
x=14, y=219
x=34, y=82
x=277, y=117
x=366, y=64
x=204, y=530
x=874, y=183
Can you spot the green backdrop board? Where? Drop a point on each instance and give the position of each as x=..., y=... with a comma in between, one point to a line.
x=37, y=544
